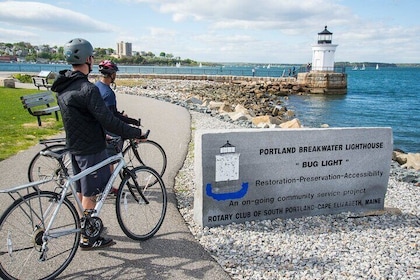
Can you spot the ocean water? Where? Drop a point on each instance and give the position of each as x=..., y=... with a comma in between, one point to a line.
x=388, y=97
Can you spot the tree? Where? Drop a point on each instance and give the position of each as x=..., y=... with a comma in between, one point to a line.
x=44, y=55
x=162, y=54
x=31, y=57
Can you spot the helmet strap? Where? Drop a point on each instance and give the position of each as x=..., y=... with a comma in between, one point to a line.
x=112, y=78
x=90, y=66
x=89, y=63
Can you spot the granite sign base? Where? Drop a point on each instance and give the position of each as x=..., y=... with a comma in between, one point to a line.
x=255, y=174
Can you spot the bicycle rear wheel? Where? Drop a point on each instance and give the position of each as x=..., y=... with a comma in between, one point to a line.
x=42, y=167
x=147, y=153
x=22, y=227
x=141, y=203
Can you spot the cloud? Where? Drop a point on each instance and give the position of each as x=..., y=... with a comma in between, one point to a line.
x=15, y=32
x=40, y=16
x=271, y=14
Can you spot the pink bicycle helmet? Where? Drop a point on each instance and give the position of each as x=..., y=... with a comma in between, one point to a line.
x=107, y=67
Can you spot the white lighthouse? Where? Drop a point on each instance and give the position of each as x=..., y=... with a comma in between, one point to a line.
x=323, y=52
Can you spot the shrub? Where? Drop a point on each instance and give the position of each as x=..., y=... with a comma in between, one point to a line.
x=23, y=78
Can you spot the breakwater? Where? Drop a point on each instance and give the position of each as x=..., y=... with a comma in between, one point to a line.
x=316, y=82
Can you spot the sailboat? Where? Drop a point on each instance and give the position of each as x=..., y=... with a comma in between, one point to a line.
x=363, y=67
x=355, y=68
x=377, y=66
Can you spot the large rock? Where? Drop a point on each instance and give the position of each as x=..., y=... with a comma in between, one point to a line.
x=238, y=116
x=213, y=105
x=410, y=160
x=295, y=123
x=241, y=109
x=225, y=108
x=265, y=121
x=194, y=100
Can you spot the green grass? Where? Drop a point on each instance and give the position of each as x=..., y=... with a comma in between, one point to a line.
x=19, y=130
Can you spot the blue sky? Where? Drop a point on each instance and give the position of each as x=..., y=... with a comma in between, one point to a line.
x=265, y=31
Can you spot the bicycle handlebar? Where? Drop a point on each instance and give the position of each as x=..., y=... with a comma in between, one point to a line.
x=116, y=139
x=146, y=135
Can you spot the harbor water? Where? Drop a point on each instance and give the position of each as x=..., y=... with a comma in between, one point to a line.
x=387, y=97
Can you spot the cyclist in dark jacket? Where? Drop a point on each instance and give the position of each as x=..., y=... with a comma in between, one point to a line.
x=85, y=115
x=86, y=118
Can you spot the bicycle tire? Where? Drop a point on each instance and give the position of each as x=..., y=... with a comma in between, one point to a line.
x=42, y=167
x=146, y=153
x=21, y=228
x=141, y=203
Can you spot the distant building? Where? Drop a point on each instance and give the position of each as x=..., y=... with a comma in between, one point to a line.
x=124, y=49
x=8, y=58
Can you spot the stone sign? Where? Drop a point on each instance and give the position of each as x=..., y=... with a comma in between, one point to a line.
x=255, y=174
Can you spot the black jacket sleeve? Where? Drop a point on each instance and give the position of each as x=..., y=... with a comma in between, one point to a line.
x=122, y=117
x=107, y=119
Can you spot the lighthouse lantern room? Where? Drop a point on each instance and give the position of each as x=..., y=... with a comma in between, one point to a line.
x=323, y=52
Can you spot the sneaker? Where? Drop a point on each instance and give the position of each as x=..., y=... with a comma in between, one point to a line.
x=101, y=242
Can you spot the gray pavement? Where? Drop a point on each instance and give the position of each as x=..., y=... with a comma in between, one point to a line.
x=172, y=253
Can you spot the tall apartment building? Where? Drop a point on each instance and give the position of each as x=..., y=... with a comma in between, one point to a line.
x=124, y=49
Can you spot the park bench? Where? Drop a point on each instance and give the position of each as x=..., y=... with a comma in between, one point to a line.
x=38, y=104
x=41, y=80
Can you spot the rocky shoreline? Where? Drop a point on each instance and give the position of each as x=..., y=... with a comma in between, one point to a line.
x=342, y=246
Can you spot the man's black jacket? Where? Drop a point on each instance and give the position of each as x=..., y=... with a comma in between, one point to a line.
x=85, y=115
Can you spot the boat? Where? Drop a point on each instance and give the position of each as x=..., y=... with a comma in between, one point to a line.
x=363, y=67
x=377, y=66
x=355, y=67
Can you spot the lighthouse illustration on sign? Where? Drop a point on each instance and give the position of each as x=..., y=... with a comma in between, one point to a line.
x=227, y=185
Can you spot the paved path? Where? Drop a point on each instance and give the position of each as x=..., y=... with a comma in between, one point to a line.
x=173, y=253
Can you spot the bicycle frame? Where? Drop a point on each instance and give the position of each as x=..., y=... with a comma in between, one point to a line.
x=70, y=184
x=42, y=224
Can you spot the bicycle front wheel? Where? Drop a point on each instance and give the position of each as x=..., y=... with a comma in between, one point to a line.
x=146, y=153
x=42, y=167
x=22, y=230
x=141, y=203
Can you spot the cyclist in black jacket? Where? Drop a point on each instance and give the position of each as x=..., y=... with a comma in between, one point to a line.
x=86, y=118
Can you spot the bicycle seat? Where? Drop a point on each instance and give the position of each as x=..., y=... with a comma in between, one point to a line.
x=54, y=140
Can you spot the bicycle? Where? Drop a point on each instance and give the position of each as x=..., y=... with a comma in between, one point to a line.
x=145, y=153
x=41, y=230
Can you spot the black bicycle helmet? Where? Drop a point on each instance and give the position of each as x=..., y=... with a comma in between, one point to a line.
x=77, y=50
x=107, y=67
